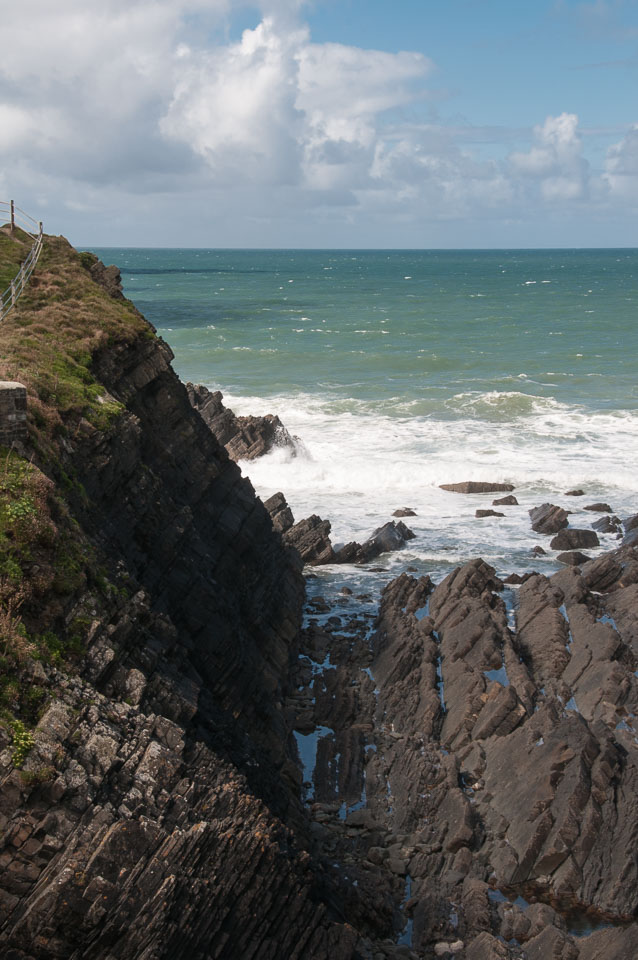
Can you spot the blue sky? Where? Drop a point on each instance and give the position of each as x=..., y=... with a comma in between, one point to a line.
x=323, y=124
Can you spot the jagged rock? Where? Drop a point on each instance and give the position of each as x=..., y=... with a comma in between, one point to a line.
x=548, y=518
x=607, y=525
x=573, y=558
x=404, y=512
x=519, y=577
x=311, y=538
x=476, y=486
x=488, y=513
x=280, y=512
x=108, y=277
x=598, y=507
x=509, y=501
x=574, y=539
x=244, y=438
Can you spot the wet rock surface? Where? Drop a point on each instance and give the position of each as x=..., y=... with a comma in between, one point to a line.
x=476, y=486
x=470, y=760
x=244, y=438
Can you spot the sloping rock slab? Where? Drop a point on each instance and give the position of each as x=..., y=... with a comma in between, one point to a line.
x=476, y=486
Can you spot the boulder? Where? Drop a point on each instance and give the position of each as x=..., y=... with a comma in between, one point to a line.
x=509, y=501
x=538, y=551
x=476, y=486
x=573, y=558
x=598, y=507
x=548, y=518
x=488, y=513
x=404, y=512
x=574, y=539
x=575, y=493
x=244, y=438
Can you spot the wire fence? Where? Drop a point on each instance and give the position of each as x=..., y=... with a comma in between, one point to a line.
x=15, y=218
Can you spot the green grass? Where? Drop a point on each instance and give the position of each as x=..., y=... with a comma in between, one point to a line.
x=13, y=250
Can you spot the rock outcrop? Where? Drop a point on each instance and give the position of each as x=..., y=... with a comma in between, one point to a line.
x=244, y=438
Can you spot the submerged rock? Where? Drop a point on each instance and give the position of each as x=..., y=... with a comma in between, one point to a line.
x=509, y=501
x=404, y=512
x=598, y=507
x=476, y=486
x=488, y=513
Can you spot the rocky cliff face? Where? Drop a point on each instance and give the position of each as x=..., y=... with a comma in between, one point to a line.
x=149, y=813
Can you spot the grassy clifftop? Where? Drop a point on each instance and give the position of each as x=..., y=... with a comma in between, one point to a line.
x=48, y=342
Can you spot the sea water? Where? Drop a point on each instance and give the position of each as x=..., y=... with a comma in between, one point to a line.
x=402, y=370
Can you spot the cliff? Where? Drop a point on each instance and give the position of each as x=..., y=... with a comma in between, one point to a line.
x=469, y=749
x=149, y=617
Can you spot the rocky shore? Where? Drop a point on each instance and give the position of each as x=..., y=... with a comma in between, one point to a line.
x=200, y=757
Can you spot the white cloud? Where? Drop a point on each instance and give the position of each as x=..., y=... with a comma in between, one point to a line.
x=555, y=160
x=235, y=107
x=621, y=168
x=148, y=99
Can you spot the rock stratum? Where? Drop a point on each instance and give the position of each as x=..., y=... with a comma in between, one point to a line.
x=186, y=772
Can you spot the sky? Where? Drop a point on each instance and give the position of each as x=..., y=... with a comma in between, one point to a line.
x=326, y=124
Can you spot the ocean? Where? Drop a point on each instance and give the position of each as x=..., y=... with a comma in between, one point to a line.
x=402, y=370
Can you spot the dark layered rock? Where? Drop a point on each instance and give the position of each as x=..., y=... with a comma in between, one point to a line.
x=509, y=501
x=598, y=507
x=488, y=513
x=476, y=486
x=574, y=539
x=548, y=518
x=244, y=438
x=311, y=539
x=280, y=513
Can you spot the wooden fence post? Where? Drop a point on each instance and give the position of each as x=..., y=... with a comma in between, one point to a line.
x=13, y=217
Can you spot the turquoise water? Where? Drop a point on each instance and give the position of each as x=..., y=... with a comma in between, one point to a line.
x=400, y=370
